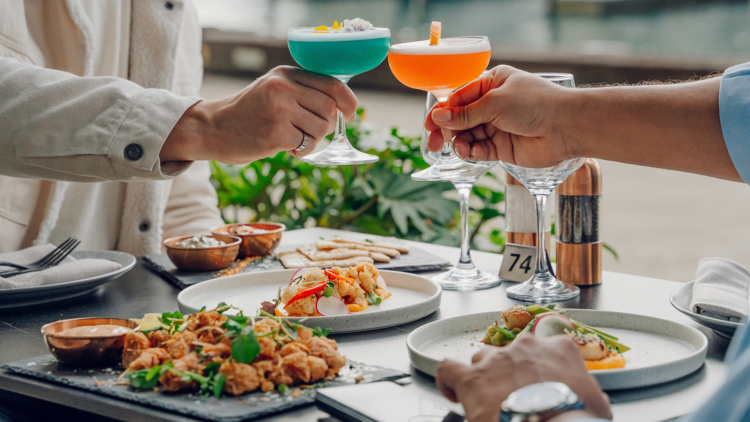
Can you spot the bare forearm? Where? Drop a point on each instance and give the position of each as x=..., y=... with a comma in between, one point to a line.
x=673, y=127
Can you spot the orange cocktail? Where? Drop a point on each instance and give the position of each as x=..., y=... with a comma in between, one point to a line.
x=439, y=69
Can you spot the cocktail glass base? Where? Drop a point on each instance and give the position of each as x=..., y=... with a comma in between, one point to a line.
x=466, y=279
x=340, y=153
x=451, y=169
x=543, y=290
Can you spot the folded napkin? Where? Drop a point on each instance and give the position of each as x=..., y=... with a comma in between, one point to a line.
x=69, y=269
x=721, y=289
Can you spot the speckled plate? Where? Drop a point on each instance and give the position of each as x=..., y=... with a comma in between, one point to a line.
x=661, y=350
x=414, y=297
x=681, y=298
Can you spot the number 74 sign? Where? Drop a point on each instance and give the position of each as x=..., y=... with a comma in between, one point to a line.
x=518, y=262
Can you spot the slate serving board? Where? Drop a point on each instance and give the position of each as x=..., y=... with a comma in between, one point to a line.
x=416, y=261
x=226, y=409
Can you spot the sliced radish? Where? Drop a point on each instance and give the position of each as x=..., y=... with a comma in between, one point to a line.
x=300, y=272
x=551, y=324
x=381, y=282
x=331, y=306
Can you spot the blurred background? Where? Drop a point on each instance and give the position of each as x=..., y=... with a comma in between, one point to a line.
x=659, y=223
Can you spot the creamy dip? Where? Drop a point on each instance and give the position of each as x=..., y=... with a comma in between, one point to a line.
x=199, y=242
x=103, y=330
x=247, y=230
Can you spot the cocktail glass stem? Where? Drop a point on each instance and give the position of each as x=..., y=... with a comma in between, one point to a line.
x=465, y=275
x=464, y=193
x=340, y=151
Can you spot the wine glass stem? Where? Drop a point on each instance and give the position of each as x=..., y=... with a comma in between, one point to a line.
x=464, y=192
x=541, y=252
x=447, y=145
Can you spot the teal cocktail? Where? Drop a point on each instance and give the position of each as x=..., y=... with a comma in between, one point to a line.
x=341, y=55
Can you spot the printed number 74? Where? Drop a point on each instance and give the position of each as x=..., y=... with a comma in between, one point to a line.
x=525, y=264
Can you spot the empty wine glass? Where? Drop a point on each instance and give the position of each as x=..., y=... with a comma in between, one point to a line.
x=543, y=286
x=465, y=275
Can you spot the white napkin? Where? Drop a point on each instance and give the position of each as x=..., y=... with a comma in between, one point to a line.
x=69, y=269
x=721, y=289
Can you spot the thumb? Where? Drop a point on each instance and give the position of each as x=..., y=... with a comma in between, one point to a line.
x=463, y=117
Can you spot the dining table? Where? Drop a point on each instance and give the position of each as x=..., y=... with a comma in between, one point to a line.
x=140, y=291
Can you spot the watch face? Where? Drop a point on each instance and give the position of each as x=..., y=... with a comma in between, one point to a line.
x=537, y=398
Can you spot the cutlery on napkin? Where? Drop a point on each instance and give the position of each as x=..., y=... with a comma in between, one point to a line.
x=721, y=289
x=70, y=269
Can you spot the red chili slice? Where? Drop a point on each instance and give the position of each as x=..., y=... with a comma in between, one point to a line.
x=315, y=288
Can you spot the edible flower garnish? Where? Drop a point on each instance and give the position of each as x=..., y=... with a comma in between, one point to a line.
x=353, y=25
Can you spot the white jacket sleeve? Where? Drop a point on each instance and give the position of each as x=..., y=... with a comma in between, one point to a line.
x=55, y=125
x=192, y=207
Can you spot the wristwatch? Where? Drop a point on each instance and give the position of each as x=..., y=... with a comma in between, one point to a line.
x=539, y=402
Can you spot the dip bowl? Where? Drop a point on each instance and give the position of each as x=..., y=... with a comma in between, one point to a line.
x=203, y=259
x=255, y=244
x=86, y=351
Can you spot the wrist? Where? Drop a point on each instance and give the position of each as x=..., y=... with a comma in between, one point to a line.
x=569, y=123
x=189, y=139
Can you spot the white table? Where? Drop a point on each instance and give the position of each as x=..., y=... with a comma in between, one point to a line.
x=618, y=292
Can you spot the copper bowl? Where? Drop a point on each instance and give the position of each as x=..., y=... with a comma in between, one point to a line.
x=86, y=351
x=203, y=259
x=260, y=244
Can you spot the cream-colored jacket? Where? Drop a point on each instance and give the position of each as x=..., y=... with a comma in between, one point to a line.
x=89, y=91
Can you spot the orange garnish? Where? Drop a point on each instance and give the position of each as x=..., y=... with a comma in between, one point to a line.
x=336, y=25
x=435, y=29
x=321, y=28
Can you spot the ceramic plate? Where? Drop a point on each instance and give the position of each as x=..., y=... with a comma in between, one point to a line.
x=681, y=298
x=661, y=350
x=414, y=297
x=45, y=294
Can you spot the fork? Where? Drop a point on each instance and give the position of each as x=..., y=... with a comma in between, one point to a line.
x=50, y=260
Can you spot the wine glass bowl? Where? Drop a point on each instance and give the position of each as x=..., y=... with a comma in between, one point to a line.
x=341, y=55
x=465, y=276
x=543, y=286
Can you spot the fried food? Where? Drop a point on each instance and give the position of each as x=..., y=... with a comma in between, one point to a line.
x=194, y=352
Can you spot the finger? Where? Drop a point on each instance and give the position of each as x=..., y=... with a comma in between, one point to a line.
x=429, y=124
x=435, y=141
x=310, y=123
x=345, y=99
x=466, y=117
x=320, y=104
x=309, y=148
x=449, y=373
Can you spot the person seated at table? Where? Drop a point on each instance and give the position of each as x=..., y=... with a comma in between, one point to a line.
x=699, y=127
x=97, y=95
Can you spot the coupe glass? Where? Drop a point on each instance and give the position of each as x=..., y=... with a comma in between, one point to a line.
x=464, y=276
x=341, y=55
x=543, y=286
x=441, y=69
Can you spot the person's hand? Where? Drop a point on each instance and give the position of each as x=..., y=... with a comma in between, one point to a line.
x=506, y=115
x=272, y=114
x=496, y=372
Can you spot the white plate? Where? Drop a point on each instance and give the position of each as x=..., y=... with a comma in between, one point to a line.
x=681, y=298
x=30, y=296
x=413, y=297
x=661, y=351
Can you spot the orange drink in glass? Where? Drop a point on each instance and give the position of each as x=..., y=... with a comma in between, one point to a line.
x=441, y=69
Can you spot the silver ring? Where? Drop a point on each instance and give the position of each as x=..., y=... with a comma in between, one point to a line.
x=305, y=141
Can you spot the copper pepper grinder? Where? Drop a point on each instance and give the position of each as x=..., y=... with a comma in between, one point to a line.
x=579, y=247
x=520, y=215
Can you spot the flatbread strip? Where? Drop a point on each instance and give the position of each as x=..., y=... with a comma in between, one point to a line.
x=382, y=244
x=341, y=253
x=295, y=259
x=385, y=251
x=379, y=257
x=326, y=245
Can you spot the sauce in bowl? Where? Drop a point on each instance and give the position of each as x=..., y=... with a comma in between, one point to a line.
x=94, y=331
